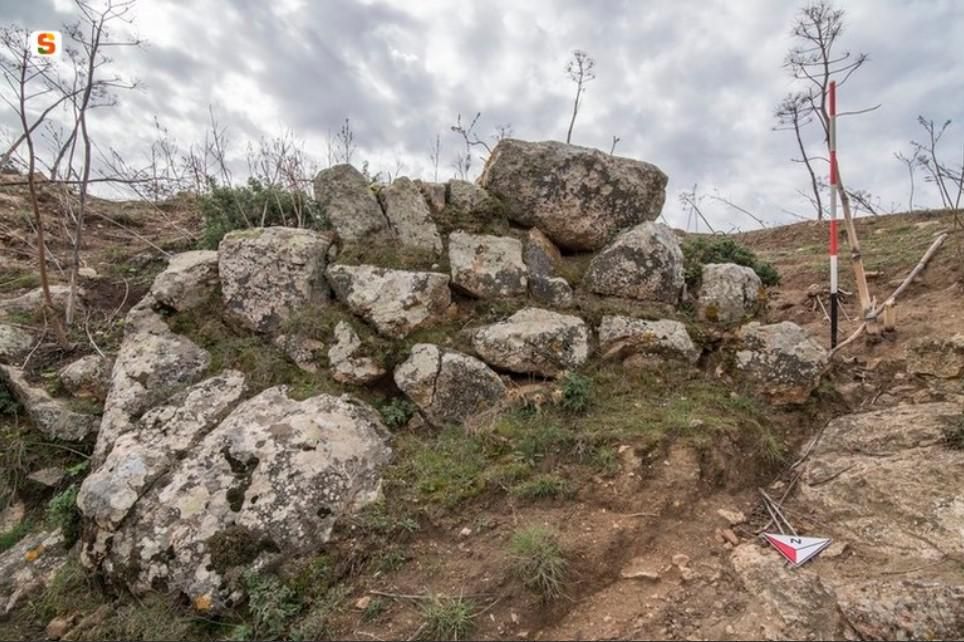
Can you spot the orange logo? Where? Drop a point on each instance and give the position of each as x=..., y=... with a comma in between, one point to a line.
x=45, y=43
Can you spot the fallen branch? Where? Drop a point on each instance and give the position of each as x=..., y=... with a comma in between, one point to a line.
x=910, y=277
x=859, y=331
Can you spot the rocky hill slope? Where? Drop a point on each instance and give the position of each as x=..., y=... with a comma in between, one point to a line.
x=507, y=410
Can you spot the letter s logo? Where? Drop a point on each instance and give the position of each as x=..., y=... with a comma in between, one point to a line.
x=46, y=43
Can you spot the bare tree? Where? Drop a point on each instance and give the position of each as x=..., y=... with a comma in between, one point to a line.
x=948, y=180
x=816, y=63
x=612, y=150
x=911, y=162
x=470, y=140
x=691, y=201
x=345, y=143
x=581, y=71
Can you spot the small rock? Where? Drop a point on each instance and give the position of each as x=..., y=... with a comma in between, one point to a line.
x=60, y=626
x=514, y=617
x=465, y=532
x=835, y=550
x=49, y=477
x=87, y=272
x=12, y=515
x=14, y=342
x=681, y=559
x=730, y=536
x=363, y=603
x=639, y=570
x=733, y=517
x=302, y=350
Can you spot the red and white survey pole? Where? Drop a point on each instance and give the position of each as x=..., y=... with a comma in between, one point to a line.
x=834, y=186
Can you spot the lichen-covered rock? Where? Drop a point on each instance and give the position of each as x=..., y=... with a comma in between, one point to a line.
x=33, y=301
x=152, y=364
x=348, y=363
x=269, y=273
x=448, y=387
x=154, y=444
x=780, y=360
x=469, y=198
x=936, y=356
x=728, y=293
x=87, y=376
x=28, y=567
x=396, y=302
x=14, y=343
x=620, y=337
x=534, y=341
x=52, y=417
x=345, y=198
x=487, y=267
x=304, y=351
x=434, y=194
x=409, y=216
x=544, y=262
x=644, y=263
x=272, y=478
x=904, y=609
x=580, y=197
x=188, y=281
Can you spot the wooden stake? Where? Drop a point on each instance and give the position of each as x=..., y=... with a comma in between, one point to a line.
x=890, y=317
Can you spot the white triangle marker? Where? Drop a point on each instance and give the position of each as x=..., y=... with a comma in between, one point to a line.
x=797, y=550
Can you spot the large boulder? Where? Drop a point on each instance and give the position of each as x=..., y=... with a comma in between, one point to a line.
x=469, y=198
x=269, y=273
x=87, y=376
x=728, y=293
x=151, y=364
x=268, y=482
x=644, y=263
x=448, y=387
x=544, y=262
x=14, y=343
x=33, y=300
x=621, y=337
x=434, y=194
x=347, y=362
x=396, y=302
x=409, y=216
x=52, y=417
x=936, y=356
x=487, y=267
x=188, y=281
x=580, y=197
x=155, y=442
x=345, y=198
x=781, y=360
x=534, y=341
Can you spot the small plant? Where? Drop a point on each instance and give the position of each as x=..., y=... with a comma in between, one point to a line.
x=448, y=618
x=954, y=433
x=397, y=412
x=9, y=539
x=575, y=392
x=374, y=609
x=389, y=560
x=62, y=513
x=542, y=487
x=538, y=561
x=271, y=605
x=698, y=251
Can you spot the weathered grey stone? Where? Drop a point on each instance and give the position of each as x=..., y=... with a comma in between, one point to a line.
x=487, y=267
x=33, y=300
x=447, y=386
x=52, y=417
x=305, y=352
x=644, y=263
x=396, y=302
x=348, y=364
x=728, y=293
x=188, y=281
x=409, y=216
x=87, y=376
x=269, y=273
x=621, y=337
x=51, y=476
x=544, y=262
x=434, y=194
x=469, y=198
x=580, y=197
x=936, y=356
x=274, y=475
x=904, y=609
x=780, y=360
x=14, y=343
x=152, y=364
x=534, y=341
x=153, y=445
x=28, y=567
x=347, y=200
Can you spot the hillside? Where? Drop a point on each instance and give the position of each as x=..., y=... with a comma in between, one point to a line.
x=524, y=453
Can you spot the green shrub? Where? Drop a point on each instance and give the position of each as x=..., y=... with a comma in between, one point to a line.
x=538, y=561
x=9, y=539
x=271, y=605
x=448, y=618
x=255, y=205
x=542, y=487
x=575, y=392
x=62, y=512
x=397, y=412
x=700, y=250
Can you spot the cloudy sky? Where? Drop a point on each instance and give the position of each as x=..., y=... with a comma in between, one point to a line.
x=690, y=85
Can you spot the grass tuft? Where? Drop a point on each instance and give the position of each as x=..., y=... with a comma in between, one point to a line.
x=542, y=487
x=538, y=561
x=448, y=618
